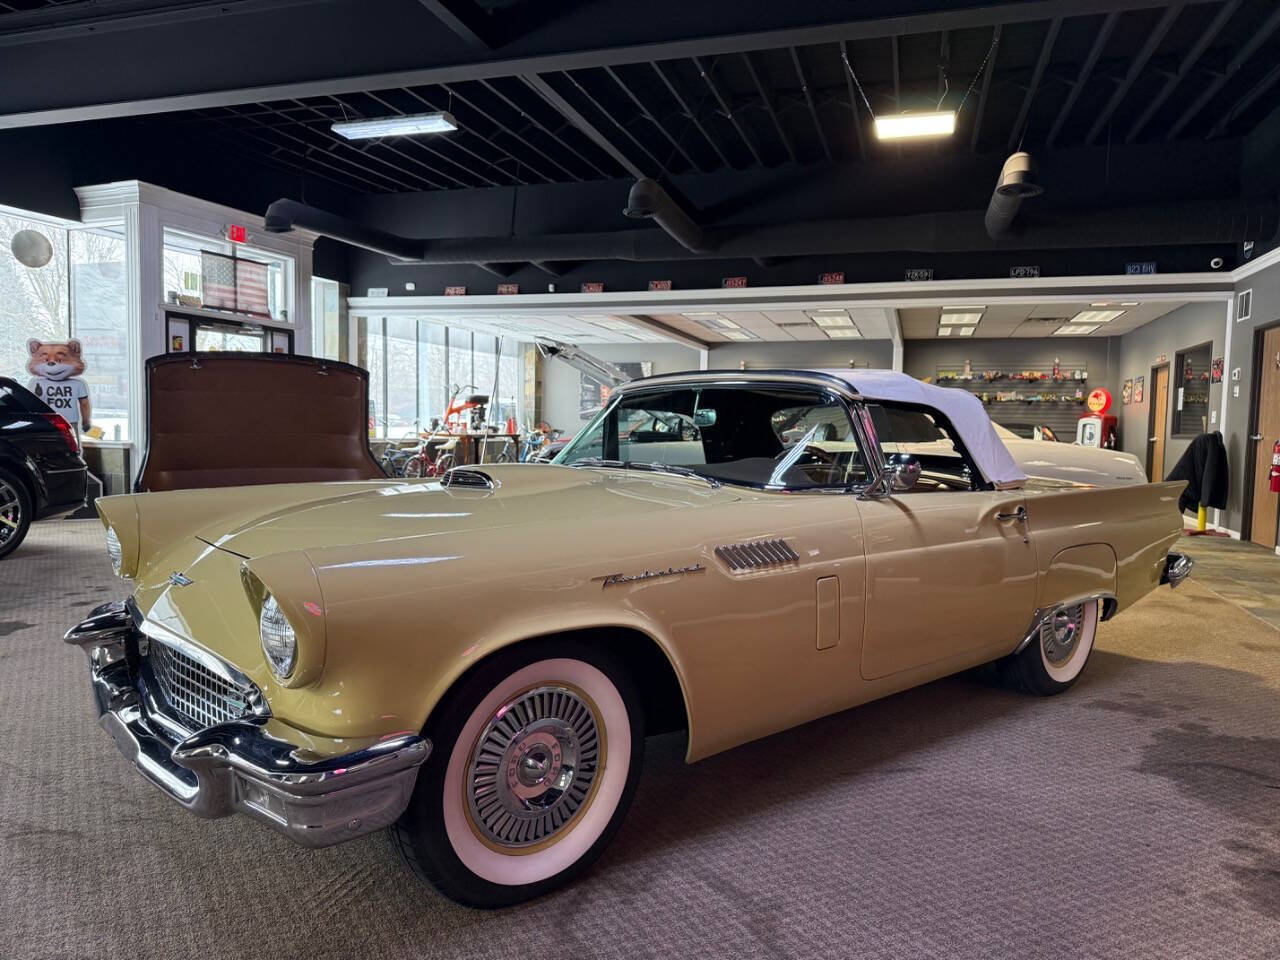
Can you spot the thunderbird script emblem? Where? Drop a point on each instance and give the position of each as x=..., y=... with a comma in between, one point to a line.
x=614, y=579
x=180, y=580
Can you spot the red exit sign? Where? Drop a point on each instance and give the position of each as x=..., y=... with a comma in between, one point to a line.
x=837, y=277
x=733, y=282
x=659, y=284
x=593, y=287
x=455, y=291
x=237, y=233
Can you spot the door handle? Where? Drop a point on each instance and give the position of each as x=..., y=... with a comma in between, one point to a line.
x=1152, y=439
x=1256, y=436
x=1019, y=515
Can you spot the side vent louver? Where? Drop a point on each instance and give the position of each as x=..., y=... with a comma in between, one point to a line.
x=756, y=554
x=467, y=478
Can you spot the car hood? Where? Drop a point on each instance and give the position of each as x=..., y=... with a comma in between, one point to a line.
x=521, y=493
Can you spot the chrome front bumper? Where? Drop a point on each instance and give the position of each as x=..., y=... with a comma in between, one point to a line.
x=1176, y=568
x=246, y=766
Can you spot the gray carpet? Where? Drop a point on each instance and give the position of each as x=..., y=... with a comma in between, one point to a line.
x=1137, y=816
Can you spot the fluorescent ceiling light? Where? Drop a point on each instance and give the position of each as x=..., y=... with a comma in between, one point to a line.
x=904, y=125
x=965, y=309
x=944, y=331
x=712, y=320
x=739, y=335
x=701, y=313
x=1095, y=316
x=1075, y=329
x=966, y=331
x=959, y=319
x=844, y=333
x=1131, y=304
x=830, y=310
x=396, y=126
x=833, y=321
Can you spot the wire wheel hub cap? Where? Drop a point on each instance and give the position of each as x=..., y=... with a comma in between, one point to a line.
x=10, y=512
x=534, y=767
x=1060, y=634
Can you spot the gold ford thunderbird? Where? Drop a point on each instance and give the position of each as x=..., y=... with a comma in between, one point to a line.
x=474, y=662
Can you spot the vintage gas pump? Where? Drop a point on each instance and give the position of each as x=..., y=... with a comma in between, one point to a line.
x=1098, y=428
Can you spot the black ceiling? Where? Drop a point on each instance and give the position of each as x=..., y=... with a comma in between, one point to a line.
x=1090, y=73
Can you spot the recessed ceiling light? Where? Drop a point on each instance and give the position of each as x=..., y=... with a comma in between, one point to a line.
x=739, y=335
x=944, y=331
x=713, y=321
x=1131, y=303
x=702, y=313
x=901, y=126
x=844, y=333
x=1075, y=329
x=1095, y=316
x=829, y=310
x=396, y=126
x=834, y=321
x=966, y=331
x=593, y=319
x=968, y=308
x=959, y=319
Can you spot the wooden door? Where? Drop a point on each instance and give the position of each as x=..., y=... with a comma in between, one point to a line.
x=1158, y=423
x=1262, y=530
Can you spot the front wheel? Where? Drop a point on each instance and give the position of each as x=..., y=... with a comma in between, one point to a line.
x=536, y=757
x=1056, y=657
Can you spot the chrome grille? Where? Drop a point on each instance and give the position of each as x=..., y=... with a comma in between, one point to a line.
x=756, y=554
x=200, y=697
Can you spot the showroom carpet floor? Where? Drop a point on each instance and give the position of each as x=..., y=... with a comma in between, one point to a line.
x=1137, y=816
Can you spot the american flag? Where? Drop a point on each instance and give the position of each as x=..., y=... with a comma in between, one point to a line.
x=229, y=283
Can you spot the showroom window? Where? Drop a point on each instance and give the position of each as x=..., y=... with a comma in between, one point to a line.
x=99, y=318
x=1191, y=383
x=327, y=338
x=34, y=300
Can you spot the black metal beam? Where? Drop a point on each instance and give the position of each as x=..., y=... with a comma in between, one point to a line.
x=571, y=114
x=726, y=108
x=1197, y=50
x=689, y=112
x=644, y=112
x=463, y=18
x=808, y=96
x=534, y=121
x=897, y=76
x=464, y=132
x=1149, y=46
x=67, y=20
x=609, y=115
x=1248, y=100
x=1086, y=68
x=853, y=98
x=766, y=97
x=981, y=109
x=1046, y=49
x=1256, y=39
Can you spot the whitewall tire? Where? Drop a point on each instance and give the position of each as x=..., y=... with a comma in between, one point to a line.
x=535, y=757
x=1056, y=657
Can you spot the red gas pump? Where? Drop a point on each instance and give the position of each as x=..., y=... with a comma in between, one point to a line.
x=1098, y=428
x=1275, y=468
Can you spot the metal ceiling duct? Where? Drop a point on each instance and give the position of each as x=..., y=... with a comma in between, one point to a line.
x=649, y=200
x=1199, y=222
x=1017, y=182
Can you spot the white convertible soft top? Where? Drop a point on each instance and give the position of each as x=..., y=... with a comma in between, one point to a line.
x=962, y=408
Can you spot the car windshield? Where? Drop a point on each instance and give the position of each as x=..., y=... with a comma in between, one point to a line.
x=775, y=438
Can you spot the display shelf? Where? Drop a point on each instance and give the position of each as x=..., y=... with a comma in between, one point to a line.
x=1027, y=395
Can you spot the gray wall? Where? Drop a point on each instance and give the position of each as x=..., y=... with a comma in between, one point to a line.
x=802, y=354
x=560, y=382
x=1266, y=311
x=1189, y=326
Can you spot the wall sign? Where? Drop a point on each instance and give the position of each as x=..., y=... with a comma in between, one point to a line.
x=455, y=291
x=1162, y=358
x=508, y=289
x=1219, y=364
x=835, y=277
x=237, y=233
x=920, y=273
x=376, y=292
x=1024, y=272
x=733, y=282
x=593, y=287
x=659, y=284
x=1140, y=268
x=1126, y=393
x=1099, y=400
x=1137, y=389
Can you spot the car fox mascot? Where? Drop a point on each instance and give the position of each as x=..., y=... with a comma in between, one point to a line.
x=56, y=370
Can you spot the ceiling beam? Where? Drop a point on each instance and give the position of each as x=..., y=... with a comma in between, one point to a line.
x=688, y=112
x=726, y=108
x=853, y=98
x=68, y=20
x=1046, y=49
x=644, y=112
x=612, y=118
x=1139, y=63
x=1197, y=50
x=766, y=97
x=1086, y=68
x=570, y=113
x=535, y=122
x=808, y=97
x=986, y=85
x=462, y=18
x=1247, y=101
x=1256, y=39
x=981, y=15
x=464, y=132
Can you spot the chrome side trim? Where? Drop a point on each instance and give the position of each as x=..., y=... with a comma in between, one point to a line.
x=756, y=554
x=1109, y=605
x=1177, y=566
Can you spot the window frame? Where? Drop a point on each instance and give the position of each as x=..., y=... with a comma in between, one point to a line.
x=980, y=482
x=847, y=402
x=1178, y=382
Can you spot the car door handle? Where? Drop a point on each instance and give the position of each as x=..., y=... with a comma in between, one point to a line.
x=1020, y=515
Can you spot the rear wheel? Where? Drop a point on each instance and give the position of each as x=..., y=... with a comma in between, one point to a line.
x=536, y=755
x=15, y=512
x=1054, y=660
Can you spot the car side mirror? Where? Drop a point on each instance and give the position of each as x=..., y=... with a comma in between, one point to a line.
x=903, y=470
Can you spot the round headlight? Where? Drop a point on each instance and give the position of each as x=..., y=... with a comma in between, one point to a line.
x=114, y=551
x=279, y=642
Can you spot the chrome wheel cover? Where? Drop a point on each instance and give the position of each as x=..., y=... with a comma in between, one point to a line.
x=10, y=512
x=534, y=767
x=1060, y=634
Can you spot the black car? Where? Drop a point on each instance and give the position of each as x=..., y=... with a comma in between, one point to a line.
x=41, y=471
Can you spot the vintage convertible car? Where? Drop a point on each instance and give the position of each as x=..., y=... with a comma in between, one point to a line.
x=475, y=661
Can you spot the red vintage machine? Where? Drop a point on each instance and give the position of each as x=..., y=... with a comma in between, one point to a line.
x=1098, y=427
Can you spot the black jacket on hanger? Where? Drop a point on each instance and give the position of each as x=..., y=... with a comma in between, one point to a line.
x=1204, y=467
